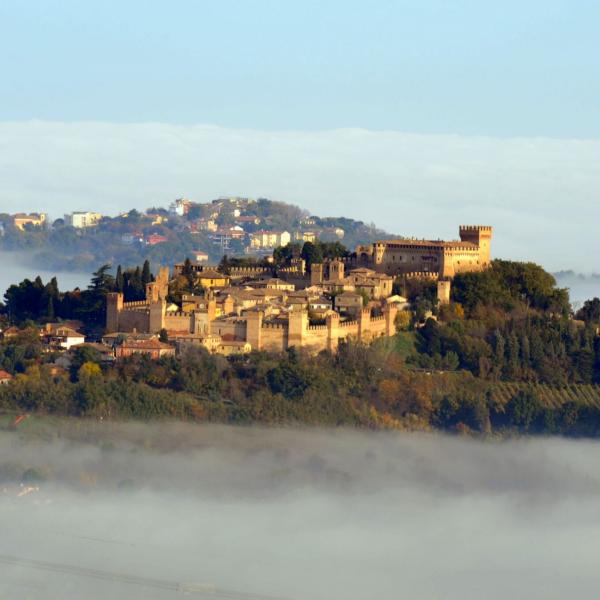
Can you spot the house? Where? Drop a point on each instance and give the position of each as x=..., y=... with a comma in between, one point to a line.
x=349, y=302
x=106, y=353
x=269, y=239
x=65, y=337
x=153, y=348
x=401, y=302
x=11, y=332
x=180, y=207
x=274, y=283
x=248, y=219
x=207, y=225
x=320, y=304
x=81, y=220
x=20, y=220
x=157, y=218
x=223, y=236
x=209, y=278
x=132, y=237
x=199, y=256
x=228, y=347
x=156, y=238
x=5, y=378
x=305, y=236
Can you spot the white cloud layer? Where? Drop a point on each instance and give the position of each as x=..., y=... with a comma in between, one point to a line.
x=542, y=195
x=320, y=515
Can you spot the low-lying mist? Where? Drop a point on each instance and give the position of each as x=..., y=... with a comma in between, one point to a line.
x=137, y=511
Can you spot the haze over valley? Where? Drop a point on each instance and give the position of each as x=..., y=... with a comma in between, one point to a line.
x=296, y=514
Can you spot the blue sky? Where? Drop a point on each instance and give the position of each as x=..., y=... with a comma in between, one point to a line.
x=413, y=115
x=527, y=68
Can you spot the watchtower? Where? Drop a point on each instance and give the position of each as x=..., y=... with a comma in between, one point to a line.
x=336, y=270
x=443, y=291
x=316, y=274
x=114, y=306
x=481, y=236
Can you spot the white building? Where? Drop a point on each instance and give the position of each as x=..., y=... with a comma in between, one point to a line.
x=180, y=207
x=81, y=220
x=269, y=239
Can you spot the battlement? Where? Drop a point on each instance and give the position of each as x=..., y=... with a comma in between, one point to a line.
x=248, y=271
x=348, y=323
x=135, y=304
x=274, y=326
x=421, y=275
x=475, y=228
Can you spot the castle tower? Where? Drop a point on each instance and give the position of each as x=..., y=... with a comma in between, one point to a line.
x=299, y=264
x=254, y=321
x=316, y=274
x=364, y=323
x=390, y=311
x=156, y=319
x=298, y=323
x=336, y=271
x=481, y=236
x=333, y=334
x=114, y=305
x=228, y=304
x=443, y=291
x=378, y=253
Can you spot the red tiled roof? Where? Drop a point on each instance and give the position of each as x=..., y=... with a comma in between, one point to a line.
x=146, y=345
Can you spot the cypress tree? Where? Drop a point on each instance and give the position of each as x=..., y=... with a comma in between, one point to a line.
x=119, y=280
x=146, y=275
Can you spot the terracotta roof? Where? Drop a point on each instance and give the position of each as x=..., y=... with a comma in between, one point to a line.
x=5, y=375
x=146, y=345
x=66, y=332
x=212, y=274
x=433, y=243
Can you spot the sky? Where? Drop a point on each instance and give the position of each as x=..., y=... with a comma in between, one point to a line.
x=413, y=115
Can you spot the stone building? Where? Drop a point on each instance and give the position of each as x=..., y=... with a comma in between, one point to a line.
x=442, y=258
x=222, y=322
x=332, y=277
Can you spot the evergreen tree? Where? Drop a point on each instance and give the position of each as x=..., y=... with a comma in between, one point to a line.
x=50, y=310
x=119, y=280
x=146, y=275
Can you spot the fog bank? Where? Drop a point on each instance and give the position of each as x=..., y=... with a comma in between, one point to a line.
x=541, y=194
x=16, y=267
x=296, y=514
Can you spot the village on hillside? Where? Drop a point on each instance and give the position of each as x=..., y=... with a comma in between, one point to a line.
x=304, y=301
x=205, y=231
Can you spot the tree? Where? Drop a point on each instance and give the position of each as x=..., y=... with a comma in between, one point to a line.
x=119, y=280
x=311, y=253
x=522, y=409
x=590, y=311
x=102, y=282
x=146, y=274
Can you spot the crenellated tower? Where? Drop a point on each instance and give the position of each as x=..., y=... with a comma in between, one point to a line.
x=481, y=236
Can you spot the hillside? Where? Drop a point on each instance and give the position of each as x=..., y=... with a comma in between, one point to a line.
x=231, y=226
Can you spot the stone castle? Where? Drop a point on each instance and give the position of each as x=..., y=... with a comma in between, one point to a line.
x=444, y=259
x=268, y=309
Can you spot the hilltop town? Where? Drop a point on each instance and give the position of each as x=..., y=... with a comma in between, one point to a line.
x=225, y=226
x=403, y=333
x=272, y=306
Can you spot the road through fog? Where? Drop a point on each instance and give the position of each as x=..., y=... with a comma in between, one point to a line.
x=166, y=511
